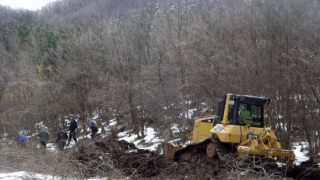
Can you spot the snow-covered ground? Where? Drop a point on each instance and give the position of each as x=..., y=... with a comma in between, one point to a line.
x=23, y=175
x=149, y=142
x=300, y=151
x=174, y=128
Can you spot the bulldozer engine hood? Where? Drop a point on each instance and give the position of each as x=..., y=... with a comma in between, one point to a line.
x=234, y=133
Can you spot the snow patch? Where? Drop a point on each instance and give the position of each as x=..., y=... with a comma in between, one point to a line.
x=175, y=140
x=40, y=125
x=51, y=147
x=301, y=155
x=96, y=116
x=112, y=122
x=22, y=175
x=132, y=151
x=188, y=114
x=175, y=129
x=149, y=142
x=127, y=136
x=203, y=110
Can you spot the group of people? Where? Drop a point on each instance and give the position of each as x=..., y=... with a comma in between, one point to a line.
x=62, y=138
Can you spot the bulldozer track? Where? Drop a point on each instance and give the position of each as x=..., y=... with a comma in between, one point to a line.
x=196, y=152
x=192, y=153
x=222, y=149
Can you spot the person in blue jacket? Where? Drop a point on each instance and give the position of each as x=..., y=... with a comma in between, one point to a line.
x=22, y=139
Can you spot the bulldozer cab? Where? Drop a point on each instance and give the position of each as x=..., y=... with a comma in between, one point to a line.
x=241, y=110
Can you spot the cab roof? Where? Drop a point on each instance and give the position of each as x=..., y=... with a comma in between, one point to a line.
x=249, y=99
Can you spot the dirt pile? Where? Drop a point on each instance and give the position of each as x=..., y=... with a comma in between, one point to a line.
x=109, y=155
x=113, y=155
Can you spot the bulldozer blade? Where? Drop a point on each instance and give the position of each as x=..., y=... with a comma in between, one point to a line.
x=169, y=150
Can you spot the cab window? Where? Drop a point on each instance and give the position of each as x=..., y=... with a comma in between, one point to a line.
x=250, y=114
x=230, y=114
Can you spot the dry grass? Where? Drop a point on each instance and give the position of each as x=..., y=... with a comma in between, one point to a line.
x=252, y=168
x=31, y=159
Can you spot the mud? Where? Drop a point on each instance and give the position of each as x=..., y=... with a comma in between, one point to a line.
x=108, y=155
x=307, y=170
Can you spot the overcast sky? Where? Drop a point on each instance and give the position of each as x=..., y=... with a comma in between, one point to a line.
x=25, y=4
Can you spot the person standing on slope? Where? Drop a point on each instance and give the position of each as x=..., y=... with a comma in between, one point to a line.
x=22, y=139
x=62, y=137
x=94, y=128
x=72, y=130
x=44, y=138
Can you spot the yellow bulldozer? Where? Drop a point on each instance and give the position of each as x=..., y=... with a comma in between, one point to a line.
x=238, y=127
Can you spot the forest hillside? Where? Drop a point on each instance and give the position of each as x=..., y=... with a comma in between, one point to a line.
x=160, y=63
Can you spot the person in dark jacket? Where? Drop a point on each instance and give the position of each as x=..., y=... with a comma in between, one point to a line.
x=62, y=137
x=44, y=138
x=94, y=128
x=72, y=130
